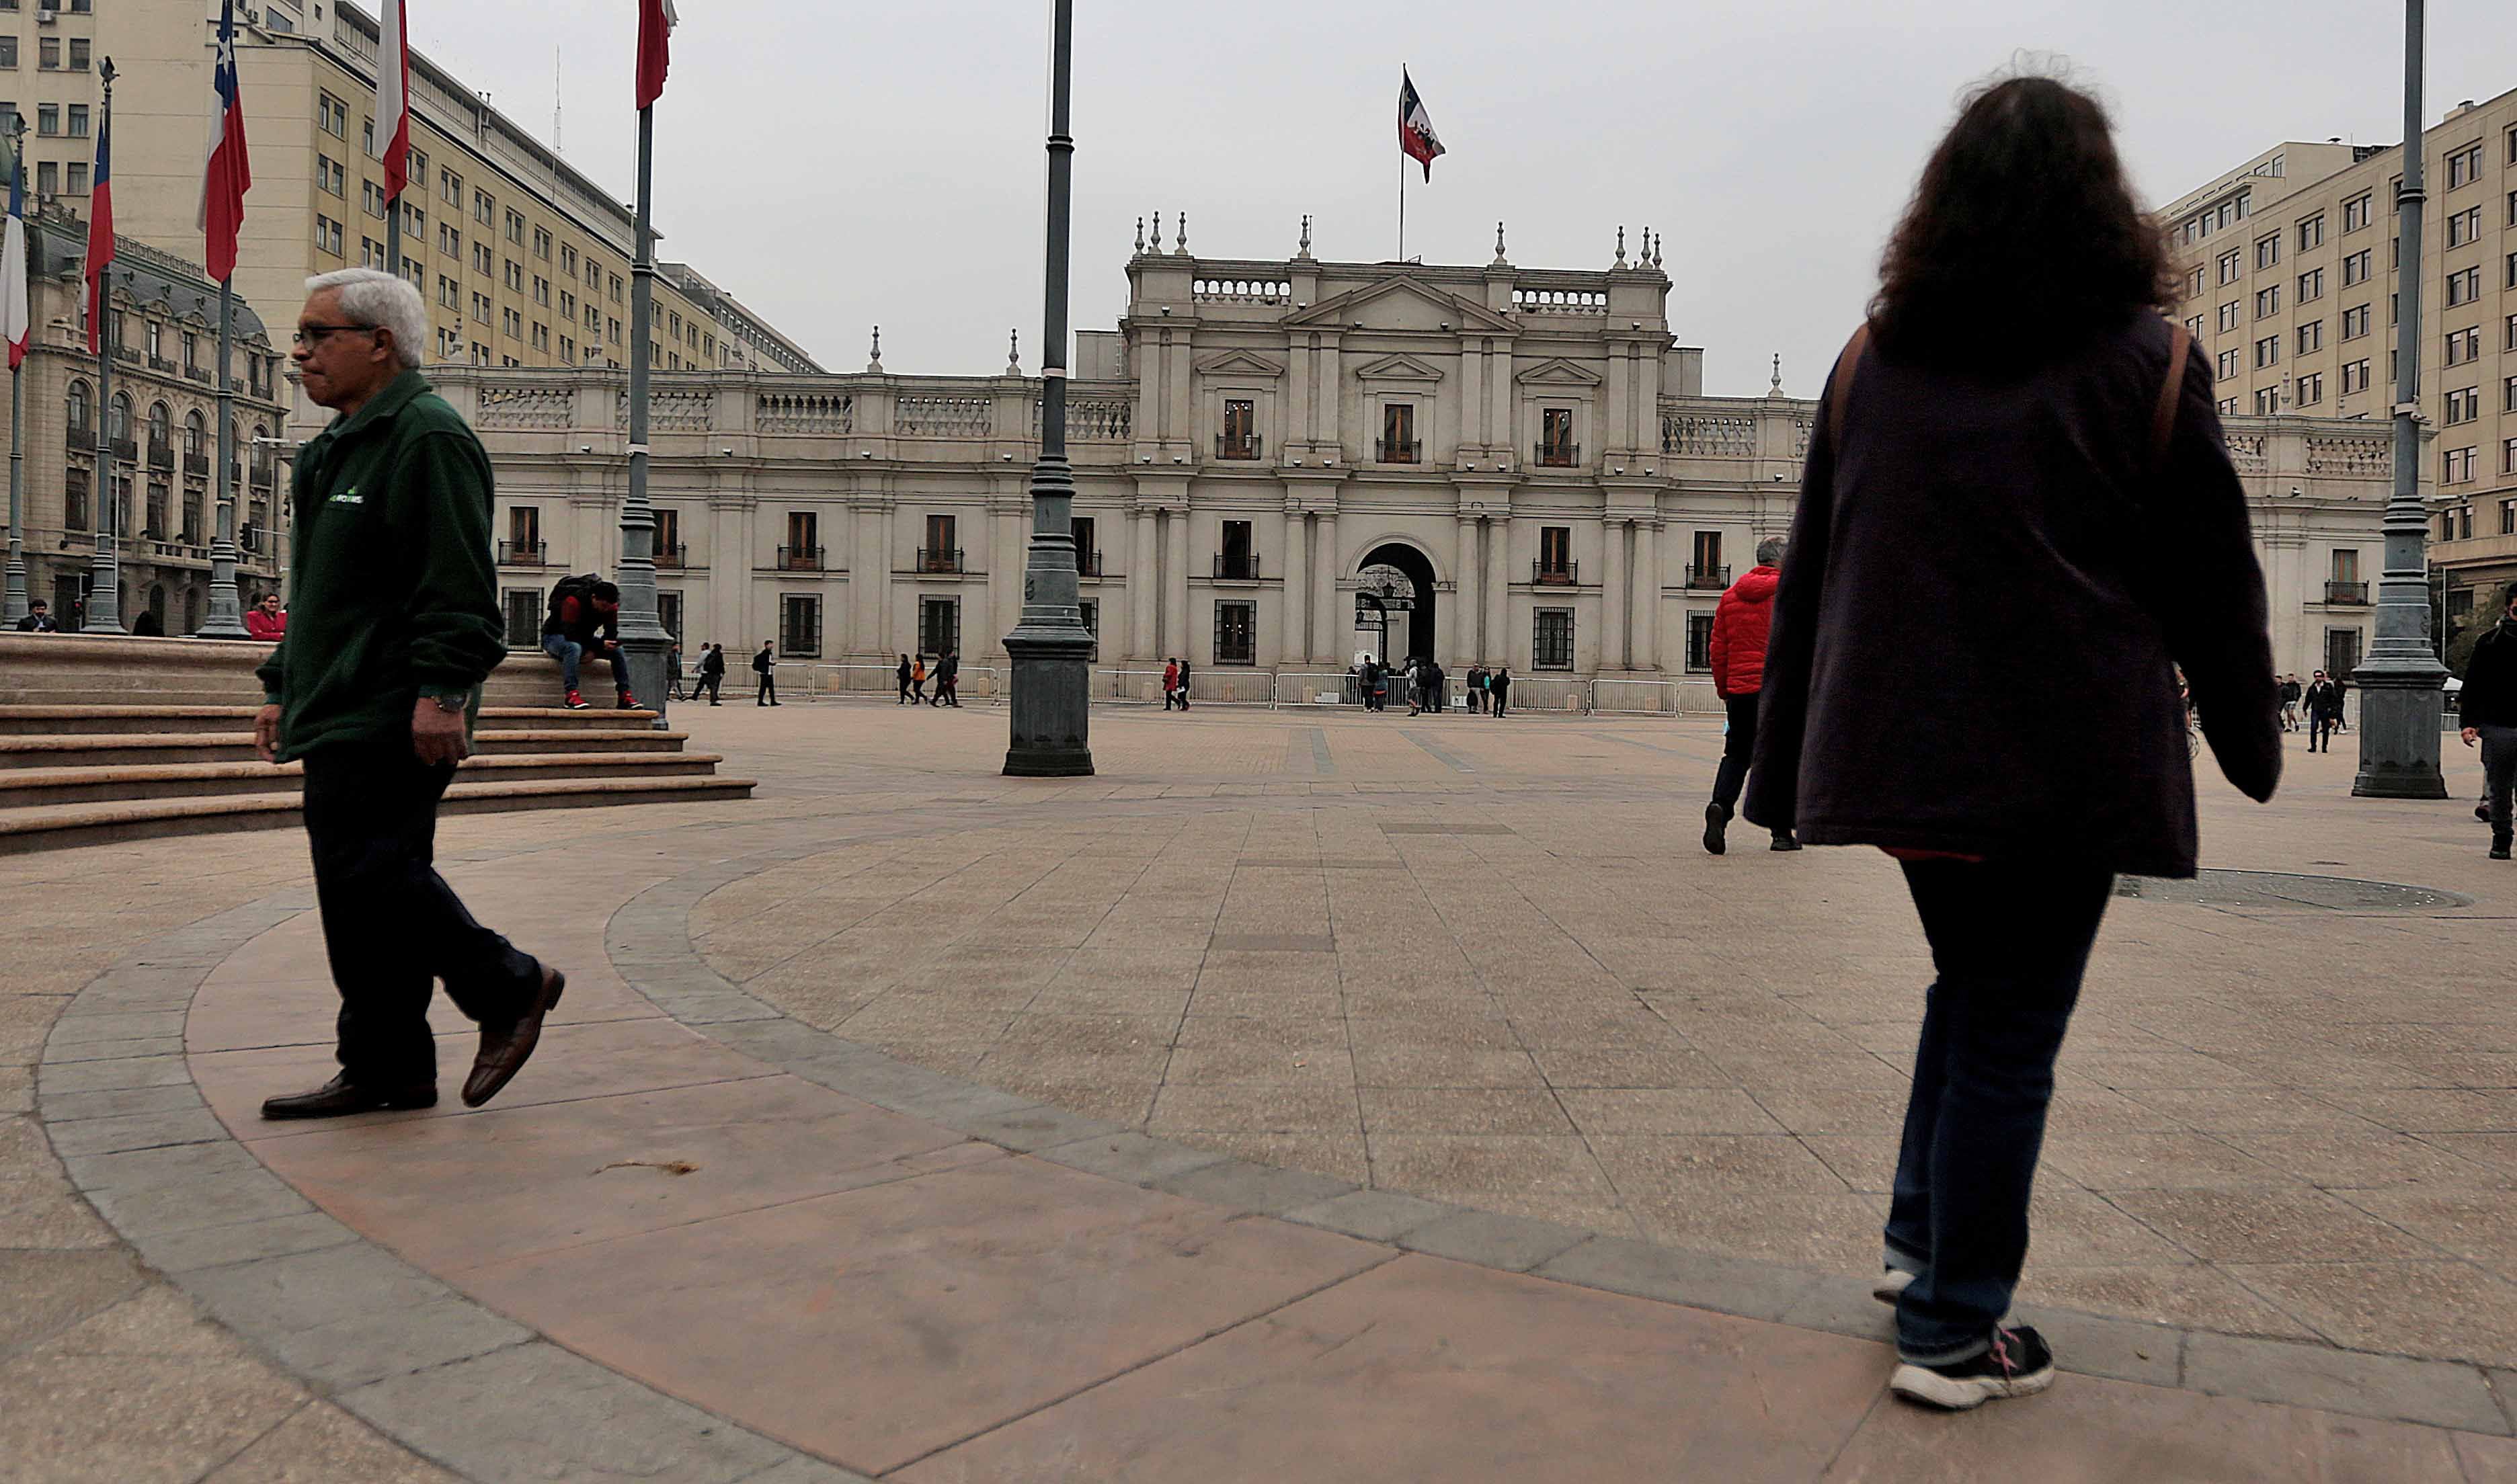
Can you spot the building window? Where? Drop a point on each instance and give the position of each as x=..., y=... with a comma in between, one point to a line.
x=1240, y=435
x=541, y=336
x=512, y=323
x=2463, y=226
x=484, y=208
x=2455, y=466
x=329, y=176
x=2198, y=282
x=372, y=196
x=523, y=606
x=2509, y=395
x=2267, y=401
x=2310, y=389
x=1557, y=449
x=515, y=275
x=2355, y=267
x=48, y=119
x=2464, y=166
x=2507, y=465
x=2268, y=351
x=78, y=120
x=2355, y=322
x=567, y=261
x=2267, y=251
x=2195, y=325
x=2232, y=265
x=2311, y=336
x=332, y=115
x=2229, y=366
x=2463, y=406
x=804, y=549
x=541, y=290
x=1236, y=633
x=77, y=180
x=1551, y=646
x=2464, y=287
x=1398, y=444
x=939, y=554
x=1555, y=554
x=48, y=51
x=2311, y=286
x=1700, y=642
x=516, y=228
x=328, y=236
x=450, y=241
x=939, y=626
x=799, y=625
x=2463, y=345
x=2229, y=316
x=2267, y=300
x=542, y=243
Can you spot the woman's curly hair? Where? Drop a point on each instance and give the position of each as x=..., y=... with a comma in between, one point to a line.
x=2023, y=240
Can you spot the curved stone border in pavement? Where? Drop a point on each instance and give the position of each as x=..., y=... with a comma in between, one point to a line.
x=461, y=1385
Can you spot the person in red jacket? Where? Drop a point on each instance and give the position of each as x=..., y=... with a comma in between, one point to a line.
x=1740, y=624
x=266, y=620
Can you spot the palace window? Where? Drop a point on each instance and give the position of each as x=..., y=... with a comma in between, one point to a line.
x=1236, y=633
x=1551, y=644
x=939, y=626
x=799, y=625
x=1556, y=447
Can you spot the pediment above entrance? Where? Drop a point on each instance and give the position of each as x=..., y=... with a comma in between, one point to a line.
x=1239, y=363
x=1402, y=304
x=1399, y=368
x=1558, y=372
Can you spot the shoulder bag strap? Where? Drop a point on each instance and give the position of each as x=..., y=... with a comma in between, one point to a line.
x=2171, y=391
x=1847, y=363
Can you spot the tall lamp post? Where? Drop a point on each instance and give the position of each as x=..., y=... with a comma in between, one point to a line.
x=104, y=614
x=14, y=607
x=1052, y=720
x=2400, y=682
x=643, y=635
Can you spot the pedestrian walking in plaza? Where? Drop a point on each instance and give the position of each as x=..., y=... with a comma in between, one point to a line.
x=1971, y=494
x=901, y=676
x=397, y=625
x=2290, y=690
x=1415, y=685
x=673, y=671
x=1184, y=677
x=2323, y=702
x=583, y=623
x=1476, y=686
x=1436, y=683
x=1171, y=683
x=712, y=674
x=765, y=666
x=1741, y=623
x=918, y=680
x=948, y=680
x=267, y=620
x=39, y=619
x=1499, y=687
x=2487, y=710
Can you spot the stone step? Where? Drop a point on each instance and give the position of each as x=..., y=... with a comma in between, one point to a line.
x=39, y=787
x=140, y=750
x=104, y=823
x=93, y=720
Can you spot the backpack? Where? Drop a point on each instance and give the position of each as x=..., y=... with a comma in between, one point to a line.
x=581, y=587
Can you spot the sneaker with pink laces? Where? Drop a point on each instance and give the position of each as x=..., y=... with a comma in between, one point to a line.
x=2019, y=1364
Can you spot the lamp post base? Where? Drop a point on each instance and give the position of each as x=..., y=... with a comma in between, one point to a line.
x=2401, y=716
x=1050, y=701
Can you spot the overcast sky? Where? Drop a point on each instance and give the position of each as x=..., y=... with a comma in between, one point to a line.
x=839, y=164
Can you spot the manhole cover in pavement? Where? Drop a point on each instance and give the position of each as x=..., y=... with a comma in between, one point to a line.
x=2262, y=889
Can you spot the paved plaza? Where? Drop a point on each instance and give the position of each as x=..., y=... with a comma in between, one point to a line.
x=1308, y=1096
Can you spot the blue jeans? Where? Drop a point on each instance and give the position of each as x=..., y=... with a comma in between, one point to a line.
x=2010, y=941
x=569, y=654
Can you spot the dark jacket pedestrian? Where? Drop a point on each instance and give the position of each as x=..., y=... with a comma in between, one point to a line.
x=948, y=680
x=711, y=673
x=2003, y=524
x=1185, y=672
x=2487, y=715
x=39, y=619
x=395, y=625
x=765, y=666
x=1499, y=688
x=2324, y=706
x=1740, y=621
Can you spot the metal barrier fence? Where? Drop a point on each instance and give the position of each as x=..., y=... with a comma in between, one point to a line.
x=802, y=680
x=1655, y=697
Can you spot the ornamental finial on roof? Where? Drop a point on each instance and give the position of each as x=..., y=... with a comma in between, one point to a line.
x=874, y=365
x=1499, y=257
x=1621, y=247
x=1306, y=236
x=1140, y=237
x=1013, y=352
x=1182, y=250
x=1777, y=384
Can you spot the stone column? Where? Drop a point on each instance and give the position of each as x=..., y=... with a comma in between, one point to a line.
x=867, y=576
x=1467, y=608
x=1175, y=632
x=880, y=569
x=1332, y=631
x=1145, y=640
x=1615, y=597
x=1295, y=648
x=1646, y=645
x=1497, y=645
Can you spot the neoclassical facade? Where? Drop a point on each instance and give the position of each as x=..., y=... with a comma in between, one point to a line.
x=1525, y=453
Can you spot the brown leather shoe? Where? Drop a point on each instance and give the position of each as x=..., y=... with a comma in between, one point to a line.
x=504, y=1051
x=340, y=1097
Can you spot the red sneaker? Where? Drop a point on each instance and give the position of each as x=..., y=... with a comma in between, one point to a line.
x=629, y=702
x=576, y=702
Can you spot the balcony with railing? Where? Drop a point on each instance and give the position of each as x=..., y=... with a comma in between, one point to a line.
x=799, y=559
x=200, y=374
x=1707, y=579
x=196, y=465
x=1557, y=455
x=939, y=562
x=672, y=558
x=1243, y=447
x=1399, y=450
x=2346, y=594
x=1236, y=567
x=1087, y=564
x=80, y=437
x=524, y=553
x=161, y=456
x=1546, y=573
x=264, y=469
x=161, y=366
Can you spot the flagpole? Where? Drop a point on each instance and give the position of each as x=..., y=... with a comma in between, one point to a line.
x=392, y=202
x=104, y=586
x=1402, y=206
x=14, y=607
x=643, y=636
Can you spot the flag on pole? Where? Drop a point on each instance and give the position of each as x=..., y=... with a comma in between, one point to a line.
x=13, y=321
x=100, y=234
x=1415, y=137
x=656, y=21
x=226, y=174
x=393, y=99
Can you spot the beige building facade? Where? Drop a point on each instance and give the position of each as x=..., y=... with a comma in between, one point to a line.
x=1524, y=454
x=162, y=408
x=2292, y=277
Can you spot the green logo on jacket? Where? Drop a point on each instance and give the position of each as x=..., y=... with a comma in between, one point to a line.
x=349, y=496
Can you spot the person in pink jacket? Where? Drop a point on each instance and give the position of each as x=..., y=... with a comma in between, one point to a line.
x=1739, y=625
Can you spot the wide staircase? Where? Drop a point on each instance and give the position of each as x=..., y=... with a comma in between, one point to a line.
x=119, y=738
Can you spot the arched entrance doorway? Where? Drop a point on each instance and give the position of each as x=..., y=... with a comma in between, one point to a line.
x=1408, y=574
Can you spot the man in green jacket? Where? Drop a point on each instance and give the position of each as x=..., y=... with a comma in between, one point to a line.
x=394, y=626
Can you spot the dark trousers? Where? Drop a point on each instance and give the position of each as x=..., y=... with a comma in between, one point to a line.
x=1739, y=748
x=2010, y=941
x=391, y=924
x=767, y=695
x=1500, y=697
x=2321, y=729
x=2498, y=777
x=708, y=685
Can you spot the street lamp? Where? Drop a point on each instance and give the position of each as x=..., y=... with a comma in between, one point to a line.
x=2400, y=682
x=1051, y=718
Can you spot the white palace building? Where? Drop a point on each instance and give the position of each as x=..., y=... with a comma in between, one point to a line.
x=1525, y=453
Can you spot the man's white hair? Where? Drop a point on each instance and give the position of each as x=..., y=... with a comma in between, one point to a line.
x=370, y=296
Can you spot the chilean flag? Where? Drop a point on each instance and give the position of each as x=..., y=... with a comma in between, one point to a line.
x=99, y=234
x=227, y=175
x=1415, y=137
x=393, y=99
x=656, y=21
x=14, y=319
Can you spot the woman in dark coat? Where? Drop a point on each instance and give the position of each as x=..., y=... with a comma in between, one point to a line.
x=2005, y=520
